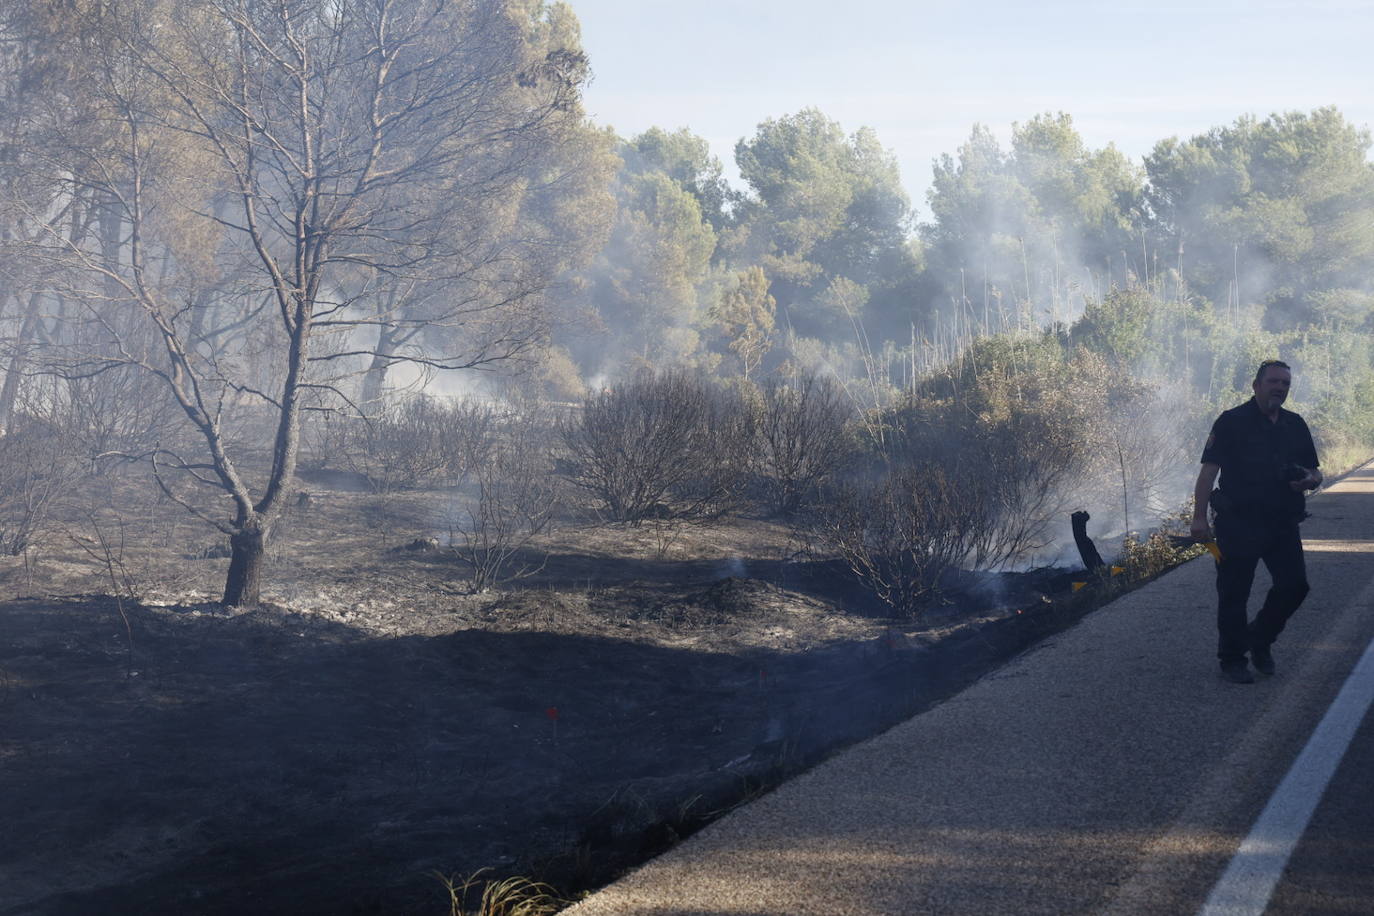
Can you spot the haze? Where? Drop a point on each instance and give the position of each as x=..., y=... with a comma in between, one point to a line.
x=921, y=74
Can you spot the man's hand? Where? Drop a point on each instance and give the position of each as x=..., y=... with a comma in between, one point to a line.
x=1310, y=482
x=1202, y=495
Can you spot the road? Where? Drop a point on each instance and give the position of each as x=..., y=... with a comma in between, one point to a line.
x=1107, y=770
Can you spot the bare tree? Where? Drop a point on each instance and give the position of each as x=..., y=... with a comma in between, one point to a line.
x=268, y=172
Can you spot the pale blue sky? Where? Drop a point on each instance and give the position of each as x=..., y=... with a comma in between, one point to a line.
x=922, y=73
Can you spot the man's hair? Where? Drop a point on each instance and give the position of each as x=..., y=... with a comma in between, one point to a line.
x=1269, y=364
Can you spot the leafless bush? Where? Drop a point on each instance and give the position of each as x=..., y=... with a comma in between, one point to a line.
x=408, y=442
x=899, y=531
x=469, y=435
x=1030, y=461
x=948, y=487
x=802, y=439
x=517, y=496
x=122, y=412
x=403, y=445
x=660, y=446
x=109, y=553
x=1015, y=466
x=36, y=468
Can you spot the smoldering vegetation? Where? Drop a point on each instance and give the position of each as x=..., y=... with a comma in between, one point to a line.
x=221, y=305
x=438, y=287
x=440, y=274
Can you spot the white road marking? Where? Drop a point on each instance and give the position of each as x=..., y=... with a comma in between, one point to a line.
x=1247, y=884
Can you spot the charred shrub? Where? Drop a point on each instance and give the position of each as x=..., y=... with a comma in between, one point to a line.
x=119, y=413
x=944, y=487
x=517, y=496
x=803, y=440
x=665, y=446
x=37, y=466
x=410, y=442
x=388, y=449
x=899, y=529
x=1011, y=466
x=469, y=433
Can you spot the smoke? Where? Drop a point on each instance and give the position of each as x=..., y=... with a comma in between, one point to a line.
x=1040, y=241
x=731, y=566
x=456, y=385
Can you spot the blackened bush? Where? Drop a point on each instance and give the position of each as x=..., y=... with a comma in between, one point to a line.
x=946, y=487
x=666, y=446
x=410, y=442
x=468, y=435
x=517, y=497
x=1016, y=465
x=37, y=466
x=803, y=440
x=899, y=531
x=120, y=413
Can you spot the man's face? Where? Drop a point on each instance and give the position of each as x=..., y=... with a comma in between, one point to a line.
x=1272, y=388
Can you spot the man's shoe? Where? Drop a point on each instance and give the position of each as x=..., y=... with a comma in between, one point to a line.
x=1237, y=672
x=1262, y=659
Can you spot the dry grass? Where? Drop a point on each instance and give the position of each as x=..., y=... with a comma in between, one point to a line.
x=514, y=896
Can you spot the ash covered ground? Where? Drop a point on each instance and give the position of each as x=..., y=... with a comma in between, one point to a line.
x=374, y=724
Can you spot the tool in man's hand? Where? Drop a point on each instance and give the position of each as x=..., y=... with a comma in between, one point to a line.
x=1187, y=540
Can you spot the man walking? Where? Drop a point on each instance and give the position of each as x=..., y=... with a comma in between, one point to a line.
x=1267, y=461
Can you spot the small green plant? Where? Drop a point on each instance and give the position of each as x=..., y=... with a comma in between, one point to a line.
x=514, y=896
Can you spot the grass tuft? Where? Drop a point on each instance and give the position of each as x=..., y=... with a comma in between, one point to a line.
x=514, y=896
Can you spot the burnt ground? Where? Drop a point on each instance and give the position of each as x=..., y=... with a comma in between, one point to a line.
x=373, y=724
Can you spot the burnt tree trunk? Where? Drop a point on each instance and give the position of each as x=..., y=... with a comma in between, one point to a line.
x=243, y=584
x=375, y=377
x=9, y=391
x=1087, y=550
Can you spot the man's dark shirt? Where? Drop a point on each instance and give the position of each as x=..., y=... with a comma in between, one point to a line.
x=1257, y=459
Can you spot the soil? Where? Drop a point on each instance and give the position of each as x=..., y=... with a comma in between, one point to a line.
x=374, y=725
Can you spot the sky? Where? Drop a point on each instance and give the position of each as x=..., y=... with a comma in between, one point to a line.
x=922, y=73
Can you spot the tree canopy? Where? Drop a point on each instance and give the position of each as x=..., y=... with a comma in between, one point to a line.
x=1273, y=212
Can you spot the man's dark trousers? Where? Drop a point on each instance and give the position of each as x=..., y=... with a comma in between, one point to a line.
x=1243, y=544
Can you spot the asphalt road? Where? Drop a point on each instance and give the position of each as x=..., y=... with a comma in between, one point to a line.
x=1107, y=770
x=1332, y=869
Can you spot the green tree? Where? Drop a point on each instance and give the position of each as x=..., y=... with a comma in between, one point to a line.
x=687, y=160
x=645, y=286
x=823, y=205
x=1028, y=235
x=1117, y=327
x=1273, y=212
x=746, y=313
